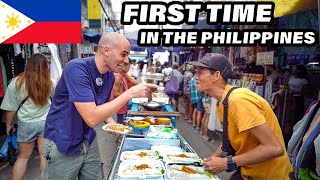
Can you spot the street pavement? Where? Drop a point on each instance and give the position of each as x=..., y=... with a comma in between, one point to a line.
x=108, y=149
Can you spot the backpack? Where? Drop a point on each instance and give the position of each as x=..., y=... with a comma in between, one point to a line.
x=307, y=161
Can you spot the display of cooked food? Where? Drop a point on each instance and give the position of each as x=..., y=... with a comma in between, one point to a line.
x=117, y=128
x=139, y=155
x=182, y=157
x=188, y=172
x=141, y=169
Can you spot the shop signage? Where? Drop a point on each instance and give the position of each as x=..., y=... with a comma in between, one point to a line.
x=265, y=58
x=94, y=10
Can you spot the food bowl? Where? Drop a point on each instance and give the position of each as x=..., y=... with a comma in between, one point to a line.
x=140, y=126
x=164, y=121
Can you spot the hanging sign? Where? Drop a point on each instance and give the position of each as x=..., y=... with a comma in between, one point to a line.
x=94, y=10
x=265, y=58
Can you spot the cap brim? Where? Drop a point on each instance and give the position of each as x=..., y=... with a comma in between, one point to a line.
x=198, y=64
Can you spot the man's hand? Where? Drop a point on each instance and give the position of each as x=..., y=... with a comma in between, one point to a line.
x=215, y=164
x=141, y=90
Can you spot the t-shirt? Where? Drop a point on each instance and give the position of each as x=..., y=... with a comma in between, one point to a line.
x=296, y=84
x=29, y=112
x=81, y=81
x=167, y=73
x=247, y=110
x=177, y=74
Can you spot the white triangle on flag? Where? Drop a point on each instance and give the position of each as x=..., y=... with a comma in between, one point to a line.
x=11, y=21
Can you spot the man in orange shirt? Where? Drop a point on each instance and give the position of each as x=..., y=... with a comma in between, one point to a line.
x=253, y=129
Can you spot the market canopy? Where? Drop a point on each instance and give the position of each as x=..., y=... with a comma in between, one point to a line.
x=93, y=36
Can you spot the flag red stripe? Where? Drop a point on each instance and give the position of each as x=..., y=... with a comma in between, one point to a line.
x=49, y=32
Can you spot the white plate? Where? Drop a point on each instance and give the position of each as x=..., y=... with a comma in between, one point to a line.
x=137, y=118
x=177, y=175
x=133, y=155
x=127, y=170
x=105, y=127
x=173, y=158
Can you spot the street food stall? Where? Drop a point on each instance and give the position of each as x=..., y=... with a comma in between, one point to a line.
x=152, y=147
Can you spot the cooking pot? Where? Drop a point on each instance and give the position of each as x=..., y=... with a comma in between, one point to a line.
x=152, y=106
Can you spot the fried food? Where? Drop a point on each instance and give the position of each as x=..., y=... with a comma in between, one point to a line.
x=142, y=167
x=120, y=128
x=182, y=156
x=188, y=170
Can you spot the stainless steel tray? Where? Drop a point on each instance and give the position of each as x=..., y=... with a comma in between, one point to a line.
x=130, y=143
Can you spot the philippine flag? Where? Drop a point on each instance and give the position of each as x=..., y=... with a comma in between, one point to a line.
x=40, y=21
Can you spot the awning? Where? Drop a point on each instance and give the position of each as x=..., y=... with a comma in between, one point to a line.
x=286, y=7
x=93, y=36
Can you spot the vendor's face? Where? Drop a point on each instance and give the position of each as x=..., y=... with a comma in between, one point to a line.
x=204, y=79
x=126, y=67
x=117, y=56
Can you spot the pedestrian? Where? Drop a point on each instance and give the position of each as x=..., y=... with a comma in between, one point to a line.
x=253, y=129
x=175, y=74
x=80, y=102
x=28, y=96
x=167, y=71
x=134, y=67
x=187, y=91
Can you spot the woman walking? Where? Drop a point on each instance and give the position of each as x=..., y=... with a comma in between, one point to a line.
x=28, y=95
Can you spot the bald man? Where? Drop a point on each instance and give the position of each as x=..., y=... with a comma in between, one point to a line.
x=80, y=102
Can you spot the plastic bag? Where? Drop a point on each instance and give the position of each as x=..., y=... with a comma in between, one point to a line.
x=10, y=142
x=172, y=85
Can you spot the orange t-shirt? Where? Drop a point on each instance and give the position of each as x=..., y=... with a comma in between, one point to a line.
x=247, y=110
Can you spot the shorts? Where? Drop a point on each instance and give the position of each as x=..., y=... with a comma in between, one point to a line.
x=200, y=106
x=59, y=166
x=175, y=96
x=28, y=132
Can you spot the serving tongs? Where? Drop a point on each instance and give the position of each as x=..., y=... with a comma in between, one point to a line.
x=198, y=164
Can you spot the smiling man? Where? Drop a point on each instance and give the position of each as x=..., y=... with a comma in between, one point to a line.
x=80, y=102
x=253, y=129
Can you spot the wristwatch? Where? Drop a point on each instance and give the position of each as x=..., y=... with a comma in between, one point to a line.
x=231, y=165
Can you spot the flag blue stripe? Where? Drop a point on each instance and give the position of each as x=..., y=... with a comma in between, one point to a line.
x=48, y=10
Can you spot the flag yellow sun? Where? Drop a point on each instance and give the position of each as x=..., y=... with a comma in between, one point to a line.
x=13, y=21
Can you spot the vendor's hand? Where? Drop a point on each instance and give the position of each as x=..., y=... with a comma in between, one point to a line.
x=142, y=90
x=215, y=164
x=8, y=128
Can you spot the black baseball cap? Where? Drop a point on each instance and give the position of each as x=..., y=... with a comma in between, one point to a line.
x=216, y=62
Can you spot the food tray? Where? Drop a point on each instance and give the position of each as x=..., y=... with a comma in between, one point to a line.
x=105, y=127
x=174, y=158
x=134, y=155
x=128, y=170
x=178, y=175
x=164, y=149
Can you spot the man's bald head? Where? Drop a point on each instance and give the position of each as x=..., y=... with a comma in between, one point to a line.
x=112, y=39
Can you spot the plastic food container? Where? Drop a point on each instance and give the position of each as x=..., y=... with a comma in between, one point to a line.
x=164, y=121
x=130, y=170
